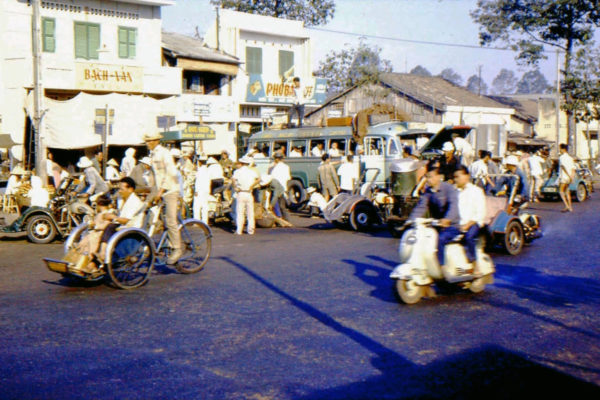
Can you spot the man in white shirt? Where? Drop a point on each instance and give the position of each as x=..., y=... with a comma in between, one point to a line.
x=280, y=171
x=317, y=151
x=201, y=191
x=334, y=151
x=479, y=171
x=348, y=173
x=463, y=149
x=167, y=187
x=296, y=152
x=536, y=168
x=566, y=173
x=244, y=181
x=471, y=211
x=298, y=105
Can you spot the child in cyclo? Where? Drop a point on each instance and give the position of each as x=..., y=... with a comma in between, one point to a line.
x=89, y=244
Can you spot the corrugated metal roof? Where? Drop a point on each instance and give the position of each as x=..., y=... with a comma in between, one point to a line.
x=189, y=47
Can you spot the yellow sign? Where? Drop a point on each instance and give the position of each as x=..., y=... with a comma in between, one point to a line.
x=118, y=78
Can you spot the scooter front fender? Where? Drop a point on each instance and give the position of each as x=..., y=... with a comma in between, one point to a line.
x=409, y=272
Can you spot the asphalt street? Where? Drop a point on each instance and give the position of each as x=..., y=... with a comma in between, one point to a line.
x=308, y=313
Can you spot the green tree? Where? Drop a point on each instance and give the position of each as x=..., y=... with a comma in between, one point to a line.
x=530, y=26
x=352, y=66
x=451, y=76
x=505, y=82
x=476, y=85
x=533, y=82
x=420, y=70
x=312, y=12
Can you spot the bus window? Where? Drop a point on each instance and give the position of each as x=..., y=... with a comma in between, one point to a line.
x=263, y=149
x=317, y=147
x=337, y=147
x=393, y=149
x=298, y=148
x=281, y=147
x=373, y=146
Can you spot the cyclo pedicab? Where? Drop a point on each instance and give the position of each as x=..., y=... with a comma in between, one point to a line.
x=131, y=253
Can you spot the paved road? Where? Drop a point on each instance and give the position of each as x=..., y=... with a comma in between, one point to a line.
x=308, y=313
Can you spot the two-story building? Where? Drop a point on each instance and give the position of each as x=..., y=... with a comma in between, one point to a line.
x=94, y=56
x=273, y=52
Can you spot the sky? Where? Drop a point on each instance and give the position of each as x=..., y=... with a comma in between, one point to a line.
x=444, y=21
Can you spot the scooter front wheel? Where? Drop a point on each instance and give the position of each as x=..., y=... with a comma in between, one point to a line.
x=409, y=291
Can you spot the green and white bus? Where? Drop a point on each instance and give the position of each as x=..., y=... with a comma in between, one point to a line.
x=382, y=145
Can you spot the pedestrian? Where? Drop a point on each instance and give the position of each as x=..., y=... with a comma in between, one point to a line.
x=53, y=170
x=226, y=164
x=128, y=162
x=566, y=174
x=112, y=173
x=95, y=184
x=328, y=178
x=244, y=181
x=464, y=150
x=298, y=103
x=536, y=168
x=280, y=172
x=167, y=188
x=201, y=191
x=215, y=171
x=348, y=173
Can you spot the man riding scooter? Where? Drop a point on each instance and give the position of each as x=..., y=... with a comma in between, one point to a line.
x=441, y=200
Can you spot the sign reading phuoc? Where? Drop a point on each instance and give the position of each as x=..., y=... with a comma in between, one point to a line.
x=118, y=78
x=315, y=91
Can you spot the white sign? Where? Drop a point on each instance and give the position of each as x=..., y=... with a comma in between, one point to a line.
x=210, y=108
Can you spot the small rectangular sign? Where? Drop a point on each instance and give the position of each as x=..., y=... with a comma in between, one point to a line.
x=119, y=78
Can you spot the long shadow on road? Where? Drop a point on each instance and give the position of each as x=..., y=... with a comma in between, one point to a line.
x=488, y=371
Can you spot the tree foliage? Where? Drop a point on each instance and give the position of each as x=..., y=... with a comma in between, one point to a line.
x=530, y=26
x=533, y=82
x=312, y=12
x=584, y=85
x=353, y=66
x=420, y=70
x=476, y=85
x=451, y=76
x=505, y=82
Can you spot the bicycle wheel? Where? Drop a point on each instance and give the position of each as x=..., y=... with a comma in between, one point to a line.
x=131, y=259
x=196, y=243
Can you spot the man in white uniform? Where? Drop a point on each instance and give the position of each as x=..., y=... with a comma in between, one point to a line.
x=536, y=169
x=566, y=173
x=348, y=173
x=244, y=181
x=201, y=191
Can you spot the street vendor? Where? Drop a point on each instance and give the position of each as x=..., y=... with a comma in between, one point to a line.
x=15, y=180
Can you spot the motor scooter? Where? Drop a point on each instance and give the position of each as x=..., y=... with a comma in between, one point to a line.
x=419, y=268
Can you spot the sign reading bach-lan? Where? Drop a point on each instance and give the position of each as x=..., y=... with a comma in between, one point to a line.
x=118, y=78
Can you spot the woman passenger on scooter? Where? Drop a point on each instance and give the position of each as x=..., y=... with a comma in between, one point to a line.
x=441, y=200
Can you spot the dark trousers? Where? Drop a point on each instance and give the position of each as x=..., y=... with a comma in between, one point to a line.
x=108, y=232
x=299, y=110
x=445, y=236
x=471, y=242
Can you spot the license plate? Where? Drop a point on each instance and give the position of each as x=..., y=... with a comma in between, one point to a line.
x=551, y=190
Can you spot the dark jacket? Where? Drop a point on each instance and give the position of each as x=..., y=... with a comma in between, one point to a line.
x=442, y=203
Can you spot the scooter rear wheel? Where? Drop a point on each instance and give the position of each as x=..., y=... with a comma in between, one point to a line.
x=478, y=285
x=409, y=291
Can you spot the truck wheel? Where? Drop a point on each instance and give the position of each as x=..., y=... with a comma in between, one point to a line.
x=361, y=218
x=296, y=194
x=513, y=238
x=40, y=229
x=581, y=193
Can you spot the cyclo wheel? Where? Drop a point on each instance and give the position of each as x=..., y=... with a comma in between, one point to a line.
x=196, y=243
x=131, y=258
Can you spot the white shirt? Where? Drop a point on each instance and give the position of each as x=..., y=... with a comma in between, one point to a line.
x=129, y=208
x=127, y=165
x=479, y=170
x=462, y=146
x=281, y=173
x=334, y=152
x=471, y=204
x=202, y=184
x=566, y=163
x=12, y=185
x=39, y=196
x=299, y=94
x=215, y=171
x=245, y=178
x=165, y=171
x=112, y=174
x=295, y=153
x=317, y=152
x=535, y=165
x=348, y=173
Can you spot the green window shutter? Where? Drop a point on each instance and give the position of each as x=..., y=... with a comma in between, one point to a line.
x=132, y=37
x=80, y=40
x=127, y=37
x=254, y=60
x=286, y=62
x=123, y=50
x=93, y=41
x=48, y=39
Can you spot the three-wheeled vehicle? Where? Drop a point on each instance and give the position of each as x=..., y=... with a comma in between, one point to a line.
x=131, y=253
x=44, y=224
x=580, y=187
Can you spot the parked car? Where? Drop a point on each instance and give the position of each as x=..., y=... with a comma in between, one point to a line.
x=580, y=187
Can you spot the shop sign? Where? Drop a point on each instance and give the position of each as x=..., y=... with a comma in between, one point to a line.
x=109, y=77
x=265, y=90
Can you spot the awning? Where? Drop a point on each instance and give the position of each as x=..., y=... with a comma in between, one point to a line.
x=6, y=141
x=191, y=132
x=207, y=66
x=520, y=140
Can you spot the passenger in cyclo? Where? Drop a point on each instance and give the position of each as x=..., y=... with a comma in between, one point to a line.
x=441, y=200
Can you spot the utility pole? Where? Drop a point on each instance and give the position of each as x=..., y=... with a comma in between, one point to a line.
x=557, y=101
x=38, y=92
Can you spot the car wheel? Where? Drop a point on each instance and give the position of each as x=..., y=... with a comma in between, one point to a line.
x=40, y=229
x=581, y=193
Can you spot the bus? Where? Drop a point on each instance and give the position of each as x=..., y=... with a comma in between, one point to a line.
x=381, y=145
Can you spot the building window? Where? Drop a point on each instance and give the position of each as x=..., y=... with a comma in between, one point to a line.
x=286, y=63
x=127, y=38
x=254, y=60
x=87, y=40
x=250, y=111
x=48, y=39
